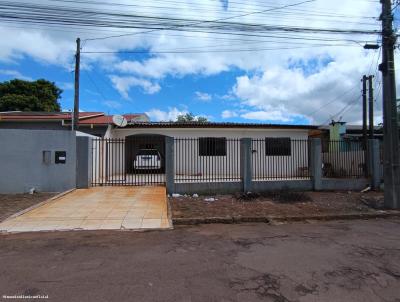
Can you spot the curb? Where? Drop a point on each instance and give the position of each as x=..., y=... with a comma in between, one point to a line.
x=272, y=219
x=39, y=204
x=169, y=214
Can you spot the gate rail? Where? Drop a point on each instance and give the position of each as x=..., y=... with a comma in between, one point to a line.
x=135, y=161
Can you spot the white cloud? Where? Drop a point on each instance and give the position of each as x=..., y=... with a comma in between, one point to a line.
x=228, y=114
x=15, y=74
x=203, y=96
x=66, y=85
x=278, y=88
x=160, y=115
x=112, y=104
x=267, y=116
x=284, y=93
x=124, y=84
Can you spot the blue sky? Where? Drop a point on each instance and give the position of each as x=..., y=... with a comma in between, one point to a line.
x=202, y=95
x=299, y=84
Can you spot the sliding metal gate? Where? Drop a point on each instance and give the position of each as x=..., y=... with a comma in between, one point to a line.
x=136, y=160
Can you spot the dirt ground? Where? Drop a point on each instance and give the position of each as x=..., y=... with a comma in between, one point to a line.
x=325, y=261
x=13, y=203
x=276, y=204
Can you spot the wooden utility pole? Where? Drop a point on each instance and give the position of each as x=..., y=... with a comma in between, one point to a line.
x=364, y=108
x=371, y=107
x=390, y=124
x=75, y=123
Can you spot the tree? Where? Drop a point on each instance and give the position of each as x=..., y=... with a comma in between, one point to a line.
x=20, y=95
x=190, y=117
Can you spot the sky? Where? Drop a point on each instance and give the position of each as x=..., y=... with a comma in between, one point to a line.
x=226, y=78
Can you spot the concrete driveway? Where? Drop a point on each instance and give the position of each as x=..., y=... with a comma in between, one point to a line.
x=95, y=209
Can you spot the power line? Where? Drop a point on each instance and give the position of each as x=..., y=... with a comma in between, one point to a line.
x=213, y=21
x=95, y=86
x=333, y=100
x=207, y=51
x=81, y=17
x=347, y=106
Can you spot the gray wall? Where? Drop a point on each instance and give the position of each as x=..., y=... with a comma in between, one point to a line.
x=83, y=161
x=51, y=125
x=33, y=125
x=21, y=160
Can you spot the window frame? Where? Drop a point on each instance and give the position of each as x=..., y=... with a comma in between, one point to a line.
x=280, y=148
x=212, y=146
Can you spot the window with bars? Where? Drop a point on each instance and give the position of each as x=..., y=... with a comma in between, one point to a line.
x=212, y=146
x=278, y=146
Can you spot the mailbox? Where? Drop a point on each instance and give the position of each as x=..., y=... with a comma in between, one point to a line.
x=60, y=157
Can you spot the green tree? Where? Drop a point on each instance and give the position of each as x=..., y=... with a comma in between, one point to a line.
x=190, y=117
x=20, y=95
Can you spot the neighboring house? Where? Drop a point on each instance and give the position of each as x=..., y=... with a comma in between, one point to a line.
x=95, y=123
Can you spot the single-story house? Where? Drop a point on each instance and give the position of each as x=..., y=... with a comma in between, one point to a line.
x=212, y=148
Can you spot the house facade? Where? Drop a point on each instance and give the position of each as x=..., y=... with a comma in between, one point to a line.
x=205, y=149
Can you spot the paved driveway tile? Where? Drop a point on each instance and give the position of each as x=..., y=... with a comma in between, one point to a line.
x=97, y=208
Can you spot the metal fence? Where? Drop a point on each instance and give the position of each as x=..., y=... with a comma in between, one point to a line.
x=207, y=159
x=280, y=159
x=132, y=161
x=344, y=159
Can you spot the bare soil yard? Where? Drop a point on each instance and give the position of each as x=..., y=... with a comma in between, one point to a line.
x=13, y=203
x=276, y=204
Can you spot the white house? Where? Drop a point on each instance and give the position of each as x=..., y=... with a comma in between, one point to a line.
x=205, y=150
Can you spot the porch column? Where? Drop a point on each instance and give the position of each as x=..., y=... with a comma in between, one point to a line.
x=316, y=163
x=245, y=164
x=169, y=164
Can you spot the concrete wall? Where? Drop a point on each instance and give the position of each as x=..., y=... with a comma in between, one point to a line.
x=350, y=184
x=265, y=186
x=52, y=125
x=234, y=187
x=83, y=161
x=276, y=185
x=22, y=162
x=33, y=125
x=207, y=188
x=98, y=131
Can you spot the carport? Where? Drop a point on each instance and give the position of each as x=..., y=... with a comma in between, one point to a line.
x=134, y=160
x=135, y=143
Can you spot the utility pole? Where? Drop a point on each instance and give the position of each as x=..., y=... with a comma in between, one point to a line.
x=371, y=107
x=75, y=123
x=390, y=125
x=364, y=104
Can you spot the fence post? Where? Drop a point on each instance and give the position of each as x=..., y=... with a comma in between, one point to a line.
x=316, y=163
x=169, y=164
x=374, y=163
x=245, y=164
x=83, y=162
